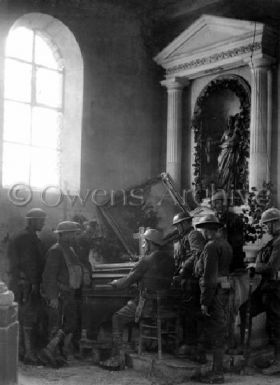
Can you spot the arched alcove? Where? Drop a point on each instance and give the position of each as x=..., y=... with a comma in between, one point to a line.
x=222, y=99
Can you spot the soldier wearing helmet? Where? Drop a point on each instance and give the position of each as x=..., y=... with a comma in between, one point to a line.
x=191, y=244
x=26, y=262
x=266, y=297
x=153, y=272
x=62, y=277
x=183, y=223
x=213, y=272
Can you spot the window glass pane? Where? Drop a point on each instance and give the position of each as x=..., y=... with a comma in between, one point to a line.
x=15, y=164
x=45, y=127
x=20, y=44
x=44, y=54
x=44, y=167
x=48, y=87
x=18, y=80
x=17, y=122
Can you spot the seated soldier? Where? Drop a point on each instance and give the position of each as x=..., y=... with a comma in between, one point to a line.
x=153, y=272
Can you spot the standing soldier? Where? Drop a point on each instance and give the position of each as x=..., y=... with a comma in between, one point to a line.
x=266, y=298
x=214, y=285
x=26, y=266
x=183, y=222
x=191, y=244
x=62, y=276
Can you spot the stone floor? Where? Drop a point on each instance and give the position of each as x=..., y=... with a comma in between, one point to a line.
x=143, y=370
x=86, y=374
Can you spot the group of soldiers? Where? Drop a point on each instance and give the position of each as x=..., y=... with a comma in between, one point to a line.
x=47, y=288
x=202, y=265
x=206, y=273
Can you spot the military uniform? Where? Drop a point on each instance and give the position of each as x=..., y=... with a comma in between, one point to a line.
x=153, y=272
x=191, y=295
x=266, y=298
x=57, y=284
x=214, y=287
x=26, y=264
x=233, y=232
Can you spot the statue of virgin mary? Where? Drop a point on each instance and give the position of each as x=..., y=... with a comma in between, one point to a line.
x=228, y=159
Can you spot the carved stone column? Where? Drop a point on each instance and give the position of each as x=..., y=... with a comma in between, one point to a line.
x=174, y=127
x=260, y=123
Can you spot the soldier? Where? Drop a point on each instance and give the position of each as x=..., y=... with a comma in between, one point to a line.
x=232, y=228
x=152, y=273
x=26, y=266
x=62, y=277
x=266, y=298
x=191, y=245
x=213, y=271
x=183, y=222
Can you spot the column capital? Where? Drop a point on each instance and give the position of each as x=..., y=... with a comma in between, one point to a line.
x=261, y=63
x=175, y=83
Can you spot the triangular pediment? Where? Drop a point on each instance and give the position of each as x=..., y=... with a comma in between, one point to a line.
x=212, y=35
x=207, y=31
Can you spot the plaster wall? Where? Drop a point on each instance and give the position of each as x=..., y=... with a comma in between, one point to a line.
x=122, y=116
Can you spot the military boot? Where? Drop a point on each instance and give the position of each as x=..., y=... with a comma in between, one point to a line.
x=29, y=356
x=48, y=354
x=66, y=349
x=117, y=359
x=274, y=368
x=216, y=376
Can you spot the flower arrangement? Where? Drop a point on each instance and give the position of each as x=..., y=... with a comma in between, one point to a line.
x=257, y=203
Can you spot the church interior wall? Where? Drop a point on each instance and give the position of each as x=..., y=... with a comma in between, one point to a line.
x=123, y=118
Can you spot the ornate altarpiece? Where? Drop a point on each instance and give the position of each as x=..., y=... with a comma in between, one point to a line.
x=219, y=47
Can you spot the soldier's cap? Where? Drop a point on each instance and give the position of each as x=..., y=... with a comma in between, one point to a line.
x=181, y=217
x=154, y=236
x=36, y=213
x=270, y=215
x=209, y=220
x=67, y=227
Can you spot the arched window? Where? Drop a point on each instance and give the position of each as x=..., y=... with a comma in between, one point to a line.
x=43, y=87
x=33, y=108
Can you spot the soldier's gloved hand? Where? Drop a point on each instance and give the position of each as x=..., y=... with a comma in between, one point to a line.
x=204, y=310
x=54, y=303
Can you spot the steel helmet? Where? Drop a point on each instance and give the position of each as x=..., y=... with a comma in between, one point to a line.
x=209, y=219
x=154, y=236
x=180, y=217
x=269, y=215
x=67, y=227
x=35, y=214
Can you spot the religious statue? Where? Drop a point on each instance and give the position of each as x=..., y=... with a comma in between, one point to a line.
x=229, y=157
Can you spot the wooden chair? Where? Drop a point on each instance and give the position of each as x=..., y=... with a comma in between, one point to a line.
x=163, y=322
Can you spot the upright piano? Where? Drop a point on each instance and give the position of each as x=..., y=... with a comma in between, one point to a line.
x=101, y=301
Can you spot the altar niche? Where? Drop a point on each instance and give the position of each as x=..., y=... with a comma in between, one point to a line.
x=221, y=123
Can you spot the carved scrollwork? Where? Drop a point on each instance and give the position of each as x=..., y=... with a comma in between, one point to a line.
x=215, y=58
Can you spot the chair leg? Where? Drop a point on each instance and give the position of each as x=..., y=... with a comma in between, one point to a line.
x=177, y=331
x=159, y=339
x=140, y=339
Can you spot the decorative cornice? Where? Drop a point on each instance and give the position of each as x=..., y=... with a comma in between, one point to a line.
x=215, y=58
